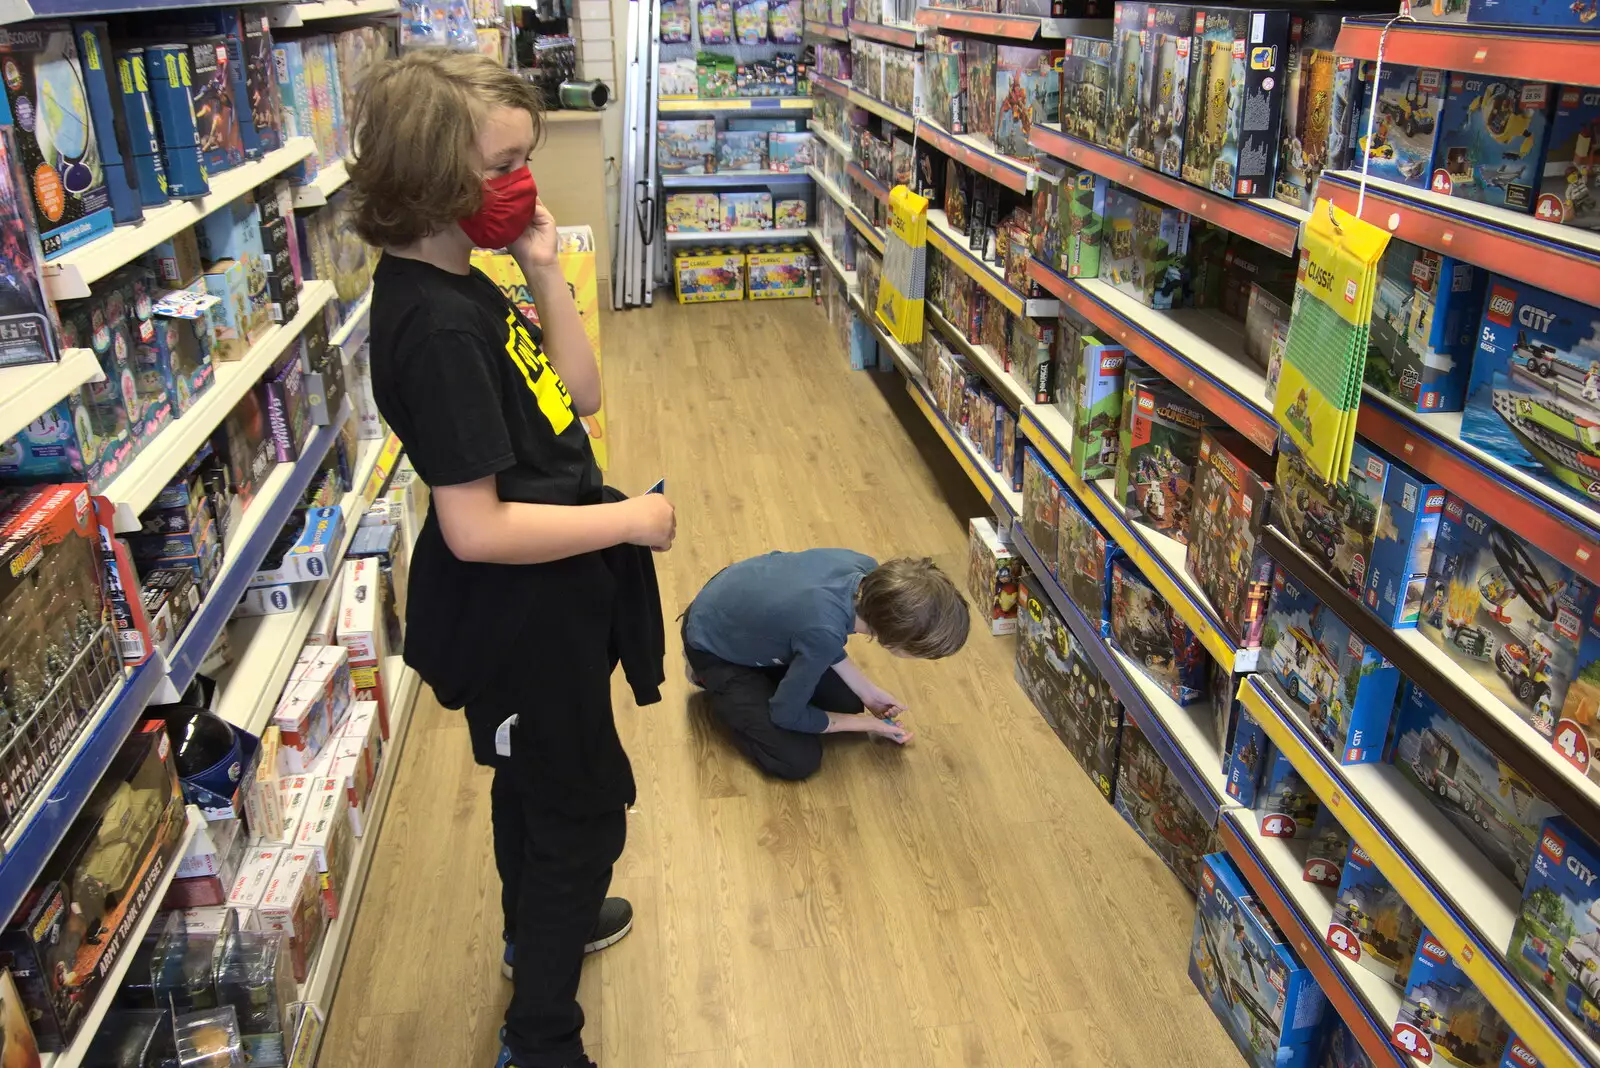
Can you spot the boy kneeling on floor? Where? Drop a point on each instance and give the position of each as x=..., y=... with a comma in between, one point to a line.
x=766, y=640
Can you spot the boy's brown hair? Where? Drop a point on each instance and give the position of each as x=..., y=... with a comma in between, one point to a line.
x=416, y=124
x=913, y=608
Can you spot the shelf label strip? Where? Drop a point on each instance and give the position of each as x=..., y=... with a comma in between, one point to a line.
x=1012, y=176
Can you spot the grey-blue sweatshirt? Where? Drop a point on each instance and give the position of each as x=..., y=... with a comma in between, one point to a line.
x=795, y=609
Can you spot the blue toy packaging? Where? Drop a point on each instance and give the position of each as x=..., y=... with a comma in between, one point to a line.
x=172, y=99
x=1424, y=328
x=1342, y=1049
x=27, y=322
x=1409, y=100
x=149, y=172
x=1491, y=141
x=1444, y=1015
x=216, y=112
x=1371, y=925
x=224, y=28
x=1519, y=622
x=1570, y=190
x=737, y=151
x=1517, y=1055
x=1268, y=1002
x=1493, y=806
x=1285, y=807
x=110, y=131
x=1245, y=759
x=1567, y=14
x=1555, y=945
x=1150, y=634
x=1331, y=676
x=125, y=302
x=58, y=152
x=1326, y=847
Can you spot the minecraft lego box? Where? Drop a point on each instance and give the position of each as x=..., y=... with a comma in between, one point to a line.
x=1555, y=944
x=1160, y=442
x=1144, y=249
x=1444, y=1016
x=1089, y=394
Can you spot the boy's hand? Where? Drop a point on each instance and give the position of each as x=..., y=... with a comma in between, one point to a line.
x=890, y=729
x=536, y=247
x=885, y=705
x=654, y=521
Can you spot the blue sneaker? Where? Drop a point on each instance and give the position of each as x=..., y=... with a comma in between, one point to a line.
x=614, y=923
x=505, y=1061
x=505, y=961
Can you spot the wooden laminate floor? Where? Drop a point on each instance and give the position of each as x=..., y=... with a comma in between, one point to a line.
x=968, y=901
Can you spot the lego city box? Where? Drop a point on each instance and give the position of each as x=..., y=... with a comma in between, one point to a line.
x=1338, y=683
x=1491, y=140
x=1319, y=105
x=1371, y=925
x=1237, y=87
x=1555, y=943
x=1326, y=847
x=741, y=151
x=1444, y=1016
x=1044, y=652
x=1089, y=376
x=992, y=574
x=1284, y=806
x=1225, y=554
x=1159, y=446
x=1268, y=1002
x=1150, y=634
x=1424, y=328
x=1090, y=725
x=1407, y=101
x=1150, y=798
x=1569, y=190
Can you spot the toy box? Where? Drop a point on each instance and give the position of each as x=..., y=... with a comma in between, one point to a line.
x=1493, y=806
x=111, y=133
x=1444, y=1016
x=1153, y=803
x=1555, y=944
x=1342, y=1050
x=1027, y=90
x=1406, y=125
x=1570, y=188
x=1371, y=925
x=785, y=273
x=992, y=573
x=173, y=101
x=788, y=152
x=981, y=60
x=1089, y=393
x=1337, y=682
x=1245, y=760
x=1154, y=638
x=132, y=89
x=215, y=113
x=1156, y=138
x=1517, y=1055
x=747, y=211
x=1077, y=229
x=1285, y=807
x=1326, y=847
x=27, y=327
x=1575, y=16
x=687, y=146
x=1491, y=140
x=1268, y=1002
x=693, y=212
x=231, y=316
x=944, y=80
x=1083, y=557
x=1144, y=250
x=1159, y=444
x=1518, y=622
x=292, y=905
x=1091, y=722
x=47, y=110
x=1236, y=100
x=1127, y=76
x=1086, y=88
x=1535, y=386
x=738, y=151
x=1042, y=497
x=1424, y=328
x=1319, y=106
x=1031, y=351
x=1225, y=554
x=1044, y=652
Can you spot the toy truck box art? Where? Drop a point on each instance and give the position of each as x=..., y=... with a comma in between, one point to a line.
x=1341, y=686
x=1477, y=792
x=1533, y=400
x=1444, y=1016
x=1491, y=140
x=1160, y=442
x=1091, y=723
x=1405, y=125
x=1570, y=190
x=1268, y=1002
x=1044, y=652
x=1319, y=105
x=1520, y=623
x=1155, y=806
x=1236, y=94
x=1371, y=925
x=1424, y=328
x=1225, y=553
x=1555, y=944
x=1150, y=634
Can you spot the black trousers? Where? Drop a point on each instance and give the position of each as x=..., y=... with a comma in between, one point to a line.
x=555, y=868
x=741, y=701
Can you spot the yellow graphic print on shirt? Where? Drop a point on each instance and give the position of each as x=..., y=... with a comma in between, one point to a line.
x=543, y=382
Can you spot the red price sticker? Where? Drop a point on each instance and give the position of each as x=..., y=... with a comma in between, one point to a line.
x=1344, y=940
x=1413, y=1042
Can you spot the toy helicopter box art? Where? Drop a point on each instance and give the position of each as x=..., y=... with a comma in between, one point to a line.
x=1319, y=107
x=1225, y=553
x=1475, y=790
x=1444, y=1016
x=1155, y=806
x=1404, y=126
x=1424, y=327
x=1150, y=634
x=1491, y=140
x=1371, y=925
x=1044, y=651
x=1570, y=190
x=1236, y=94
x=1160, y=442
x=1518, y=621
x=1167, y=43
x=1335, y=680
x=1555, y=944
x=1268, y=1002
x=1091, y=723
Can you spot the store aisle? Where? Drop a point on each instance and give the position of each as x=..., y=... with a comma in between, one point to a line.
x=968, y=901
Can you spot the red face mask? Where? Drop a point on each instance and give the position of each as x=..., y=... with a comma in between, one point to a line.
x=507, y=209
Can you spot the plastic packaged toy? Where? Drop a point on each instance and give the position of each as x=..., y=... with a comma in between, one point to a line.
x=675, y=22
x=1237, y=84
x=1090, y=724
x=1160, y=442
x=1371, y=925
x=1225, y=554
x=1424, y=327
x=1268, y=1002
x=749, y=22
x=209, y=1039
x=687, y=146
x=709, y=276
x=1156, y=138
x=1151, y=635
x=1405, y=126
x=1491, y=140
x=782, y=273
x=1319, y=107
x=716, y=21
x=1493, y=806
x=785, y=21
x=1570, y=190
x=1341, y=686
x=1153, y=803
x=992, y=573
x=1519, y=622
x=1555, y=944
x=1144, y=249
x=1444, y=1016
x=1326, y=847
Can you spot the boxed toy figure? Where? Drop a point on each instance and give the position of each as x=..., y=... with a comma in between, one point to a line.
x=738, y=151
x=1340, y=684
x=1493, y=806
x=1268, y=1002
x=687, y=146
x=1443, y=1014
x=709, y=276
x=1225, y=554
x=1042, y=494
x=1154, y=638
x=1570, y=190
x=1153, y=803
x=1285, y=807
x=1326, y=848
x=693, y=212
x=1236, y=100
x=1159, y=444
x=747, y=211
x=1491, y=141
x=1091, y=722
x=1371, y=924
x=1404, y=129
x=992, y=574
x=1555, y=944
x=1424, y=327
x=1044, y=652
x=1318, y=107
x=1144, y=250
x=784, y=273
x=1156, y=139
x=1086, y=88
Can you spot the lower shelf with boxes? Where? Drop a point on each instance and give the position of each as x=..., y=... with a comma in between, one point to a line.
x=705, y=275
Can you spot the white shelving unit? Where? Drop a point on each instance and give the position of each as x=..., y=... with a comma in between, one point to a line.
x=28, y=392
x=289, y=16
x=702, y=236
x=329, y=180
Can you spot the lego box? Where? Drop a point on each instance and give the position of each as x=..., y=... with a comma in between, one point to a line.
x=1091, y=722
x=1083, y=558
x=1491, y=141
x=687, y=146
x=1409, y=100
x=1086, y=88
x=1160, y=442
x=1570, y=190
x=1089, y=393
x=1424, y=328
x=1156, y=138
x=1371, y=925
x=774, y=275
x=1444, y=1017
x=1555, y=944
x=741, y=151
x=1151, y=635
x=1326, y=848
x=1154, y=804
x=1044, y=652
x=1285, y=807
x=992, y=574
x=1236, y=100
x=1225, y=554
x=693, y=212
x=709, y=277
x=1319, y=105
x=1144, y=250
x=1245, y=760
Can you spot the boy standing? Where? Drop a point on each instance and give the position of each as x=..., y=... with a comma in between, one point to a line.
x=766, y=640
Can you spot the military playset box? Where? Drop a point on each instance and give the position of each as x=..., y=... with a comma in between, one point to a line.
x=1371, y=925
x=1555, y=944
x=1268, y=1002
x=1150, y=634
x=1237, y=79
x=1570, y=190
x=1444, y=1016
x=1405, y=126
x=1424, y=327
x=1494, y=807
x=1160, y=442
x=1089, y=393
x=1491, y=140
x=1338, y=683
x=1155, y=806
x=1225, y=554
x=1319, y=107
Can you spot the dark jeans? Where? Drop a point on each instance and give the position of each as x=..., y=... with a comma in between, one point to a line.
x=555, y=869
x=741, y=700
